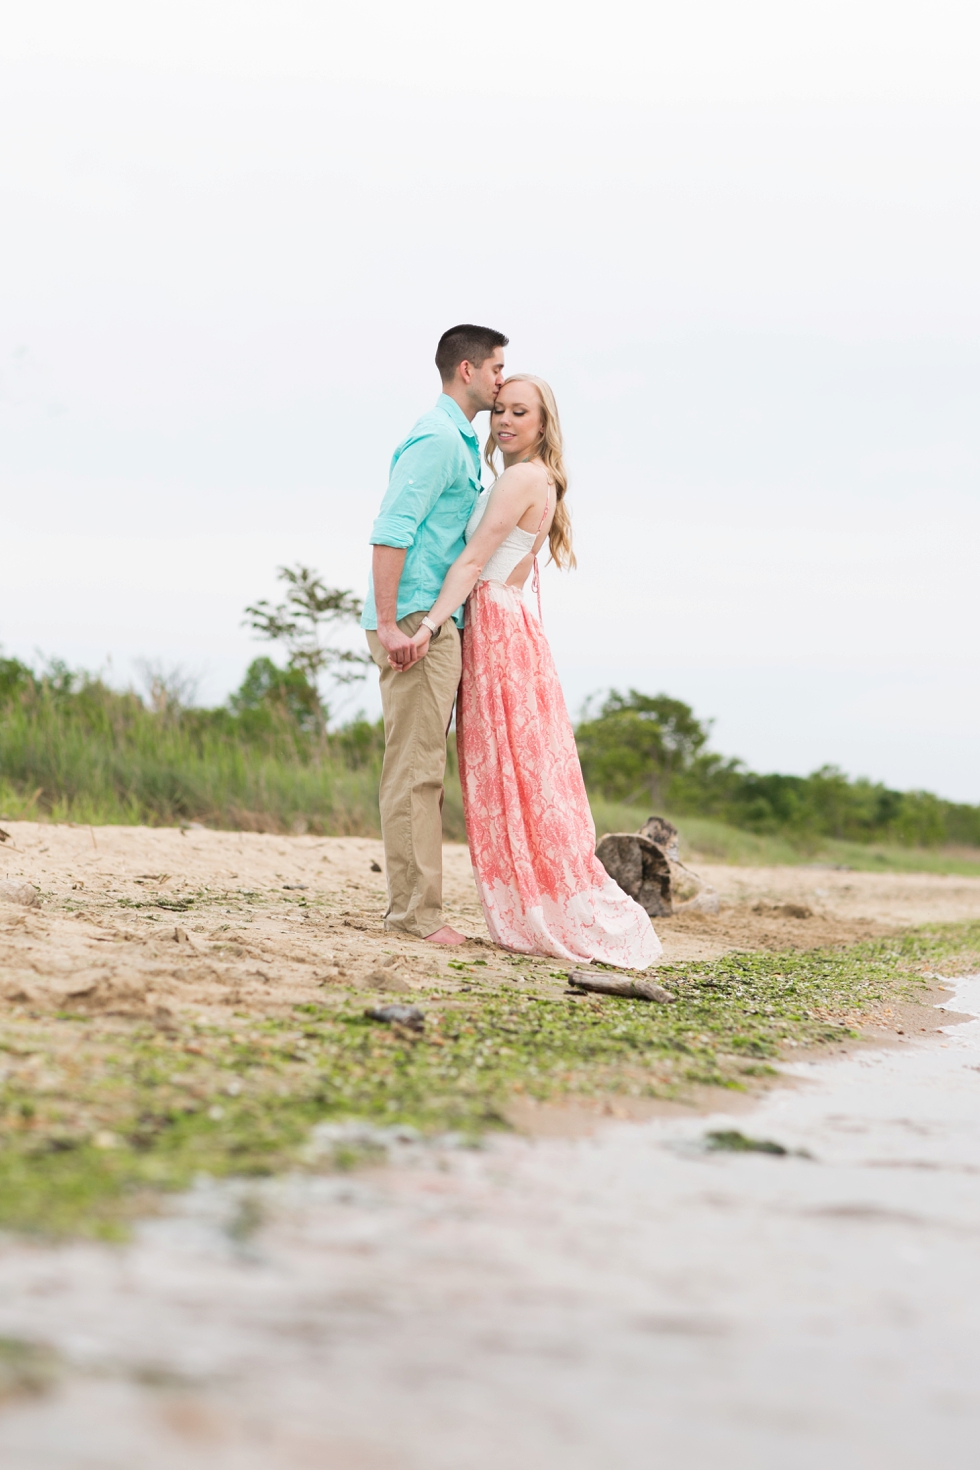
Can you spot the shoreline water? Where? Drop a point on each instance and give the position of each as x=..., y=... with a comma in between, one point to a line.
x=549, y=1302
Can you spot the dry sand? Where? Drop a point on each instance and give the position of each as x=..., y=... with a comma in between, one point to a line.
x=136, y=920
x=760, y=908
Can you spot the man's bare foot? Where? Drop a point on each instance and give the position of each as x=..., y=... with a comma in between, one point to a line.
x=445, y=935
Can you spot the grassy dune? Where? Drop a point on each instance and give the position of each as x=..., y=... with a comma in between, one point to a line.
x=71, y=749
x=96, y=756
x=281, y=792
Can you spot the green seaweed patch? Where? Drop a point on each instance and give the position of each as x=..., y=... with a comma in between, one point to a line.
x=730, y=1140
x=100, y=1115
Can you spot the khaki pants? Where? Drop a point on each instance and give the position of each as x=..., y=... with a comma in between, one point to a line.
x=418, y=706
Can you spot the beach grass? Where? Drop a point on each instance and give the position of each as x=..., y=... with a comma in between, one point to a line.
x=279, y=792
x=86, y=753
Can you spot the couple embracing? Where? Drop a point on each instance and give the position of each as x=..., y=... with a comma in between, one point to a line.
x=447, y=623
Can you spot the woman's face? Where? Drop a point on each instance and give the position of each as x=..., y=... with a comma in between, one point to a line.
x=516, y=419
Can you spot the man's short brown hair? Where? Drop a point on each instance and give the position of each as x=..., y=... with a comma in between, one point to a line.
x=466, y=343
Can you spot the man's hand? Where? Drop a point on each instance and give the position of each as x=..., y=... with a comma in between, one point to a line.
x=398, y=646
x=418, y=648
x=387, y=564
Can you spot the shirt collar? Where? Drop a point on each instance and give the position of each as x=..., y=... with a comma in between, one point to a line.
x=450, y=406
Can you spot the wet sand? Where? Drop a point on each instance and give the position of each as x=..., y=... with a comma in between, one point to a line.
x=627, y=1299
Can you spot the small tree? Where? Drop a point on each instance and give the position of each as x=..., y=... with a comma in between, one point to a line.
x=267, y=691
x=305, y=624
x=639, y=742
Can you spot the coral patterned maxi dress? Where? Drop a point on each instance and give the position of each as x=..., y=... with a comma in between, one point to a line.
x=530, y=829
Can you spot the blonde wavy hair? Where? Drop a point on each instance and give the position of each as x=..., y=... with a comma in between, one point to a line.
x=549, y=450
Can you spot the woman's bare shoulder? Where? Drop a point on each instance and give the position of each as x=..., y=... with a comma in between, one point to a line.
x=529, y=475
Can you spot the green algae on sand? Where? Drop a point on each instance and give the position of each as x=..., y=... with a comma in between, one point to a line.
x=98, y=1116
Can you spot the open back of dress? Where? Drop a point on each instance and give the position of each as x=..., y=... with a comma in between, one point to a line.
x=528, y=821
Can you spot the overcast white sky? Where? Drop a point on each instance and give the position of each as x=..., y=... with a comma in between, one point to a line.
x=739, y=239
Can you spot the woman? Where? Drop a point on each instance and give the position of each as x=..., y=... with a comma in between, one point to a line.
x=530, y=830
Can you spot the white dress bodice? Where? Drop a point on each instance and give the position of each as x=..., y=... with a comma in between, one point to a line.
x=515, y=546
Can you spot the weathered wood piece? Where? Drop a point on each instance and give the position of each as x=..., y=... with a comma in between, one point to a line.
x=687, y=890
x=665, y=835
x=619, y=985
x=408, y=1016
x=646, y=865
x=641, y=869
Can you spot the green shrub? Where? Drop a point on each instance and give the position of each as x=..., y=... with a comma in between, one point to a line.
x=651, y=751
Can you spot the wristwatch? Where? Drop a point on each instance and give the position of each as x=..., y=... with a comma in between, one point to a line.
x=428, y=623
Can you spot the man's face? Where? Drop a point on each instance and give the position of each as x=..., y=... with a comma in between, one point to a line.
x=484, y=385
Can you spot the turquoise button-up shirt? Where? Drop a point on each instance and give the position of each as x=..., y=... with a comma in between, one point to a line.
x=433, y=486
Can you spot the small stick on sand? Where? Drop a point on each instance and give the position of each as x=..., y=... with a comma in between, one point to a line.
x=613, y=985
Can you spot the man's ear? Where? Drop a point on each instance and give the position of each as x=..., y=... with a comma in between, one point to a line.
x=466, y=371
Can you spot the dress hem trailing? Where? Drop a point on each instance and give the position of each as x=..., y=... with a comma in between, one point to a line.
x=528, y=820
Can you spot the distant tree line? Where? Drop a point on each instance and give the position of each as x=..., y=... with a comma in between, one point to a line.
x=639, y=748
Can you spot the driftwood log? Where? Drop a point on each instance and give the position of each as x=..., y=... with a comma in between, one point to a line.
x=618, y=985
x=665, y=835
x=646, y=865
x=640, y=867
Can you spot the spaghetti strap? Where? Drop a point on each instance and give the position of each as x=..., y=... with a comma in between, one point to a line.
x=535, y=573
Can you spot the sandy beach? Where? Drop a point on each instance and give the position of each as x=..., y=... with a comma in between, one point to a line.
x=136, y=920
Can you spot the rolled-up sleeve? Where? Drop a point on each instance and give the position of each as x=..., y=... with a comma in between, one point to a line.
x=420, y=474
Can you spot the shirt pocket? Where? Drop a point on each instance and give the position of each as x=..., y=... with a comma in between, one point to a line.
x=468, y=499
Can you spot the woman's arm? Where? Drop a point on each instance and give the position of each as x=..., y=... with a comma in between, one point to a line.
x=511, y=497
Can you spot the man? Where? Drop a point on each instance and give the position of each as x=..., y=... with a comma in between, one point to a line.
x=433, y=485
